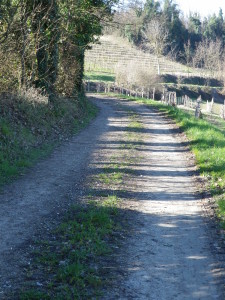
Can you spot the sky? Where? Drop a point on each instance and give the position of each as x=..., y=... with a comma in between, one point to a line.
x=203, y=7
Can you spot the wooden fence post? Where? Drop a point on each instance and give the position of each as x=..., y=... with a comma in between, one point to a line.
x=198, y=108
x=212, y=103
x=153, y=94
x=207, y=106
x=182, y=100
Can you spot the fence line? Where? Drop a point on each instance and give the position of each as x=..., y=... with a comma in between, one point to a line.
x=108, y=88
x=167, y=97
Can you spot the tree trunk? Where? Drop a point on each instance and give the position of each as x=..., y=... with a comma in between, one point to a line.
x=78, y=84
x=24, y=45
x=53, y=60
x=47, y=38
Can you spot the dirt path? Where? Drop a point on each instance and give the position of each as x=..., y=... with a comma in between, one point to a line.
x=34, y=204
x=170, y=253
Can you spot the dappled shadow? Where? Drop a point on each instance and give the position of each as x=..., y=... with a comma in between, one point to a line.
x=168, y=251
x=140, y=164
x=146, y=146
x=125, y=146
x=161, y=196
x=151, y=173
x=166, y=257
x=146, y=130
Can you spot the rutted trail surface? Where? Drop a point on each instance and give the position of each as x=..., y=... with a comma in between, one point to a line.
x=169, y=254
x=32, y=205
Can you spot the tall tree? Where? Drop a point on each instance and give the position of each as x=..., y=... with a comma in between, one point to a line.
x=81, y=23
x=152, y=9
x=214, y=27
x=194, y=29
x=176, y=29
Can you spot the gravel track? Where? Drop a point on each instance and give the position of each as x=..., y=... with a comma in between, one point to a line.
x=170, y=253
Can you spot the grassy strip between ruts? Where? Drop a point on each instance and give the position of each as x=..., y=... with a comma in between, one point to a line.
x=68, y=264
x=69, y=261
x=207, y=142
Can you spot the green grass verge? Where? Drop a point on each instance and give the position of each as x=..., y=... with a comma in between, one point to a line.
x=100, y=76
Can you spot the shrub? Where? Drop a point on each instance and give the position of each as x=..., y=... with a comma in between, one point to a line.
x=134, y=76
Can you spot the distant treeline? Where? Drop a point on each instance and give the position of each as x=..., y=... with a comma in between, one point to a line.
x=182, y=35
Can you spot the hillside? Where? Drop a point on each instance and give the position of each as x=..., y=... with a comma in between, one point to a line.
x=113, y=52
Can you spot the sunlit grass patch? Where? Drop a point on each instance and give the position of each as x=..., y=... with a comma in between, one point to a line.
x=70, y=261
x=110, y=178
x=100, y=76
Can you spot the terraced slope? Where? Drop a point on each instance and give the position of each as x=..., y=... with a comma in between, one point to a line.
x=111, y=53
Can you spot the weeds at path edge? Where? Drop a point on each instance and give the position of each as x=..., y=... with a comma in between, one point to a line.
x=207, y=142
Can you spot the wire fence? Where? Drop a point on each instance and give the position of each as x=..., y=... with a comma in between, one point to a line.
x=101, y=87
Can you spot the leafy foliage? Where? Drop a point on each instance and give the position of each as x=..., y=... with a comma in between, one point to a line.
x=44, y=37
